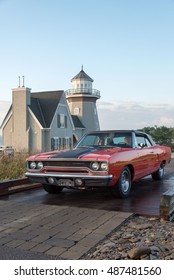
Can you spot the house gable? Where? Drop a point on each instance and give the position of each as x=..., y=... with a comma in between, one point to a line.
x=44, y=105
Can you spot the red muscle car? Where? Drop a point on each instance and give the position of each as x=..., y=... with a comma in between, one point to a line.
x=104, y=158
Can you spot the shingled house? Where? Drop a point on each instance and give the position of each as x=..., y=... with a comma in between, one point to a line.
x=51, y=120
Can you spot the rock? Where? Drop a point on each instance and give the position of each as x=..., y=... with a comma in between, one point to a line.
x=154, y=248
x=109, y=244
x=145, y=257
x=128, y=236
x=138, y=238
x=144, y=226
x=135, y=253
x=153, y=257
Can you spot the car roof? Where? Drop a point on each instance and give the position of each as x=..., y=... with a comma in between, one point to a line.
x=116, y=130
x=140, y=132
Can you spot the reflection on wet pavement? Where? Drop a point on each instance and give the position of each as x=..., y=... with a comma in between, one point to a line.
x=144, y=198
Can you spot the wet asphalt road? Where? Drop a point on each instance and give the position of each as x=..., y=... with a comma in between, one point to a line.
x=144, y=198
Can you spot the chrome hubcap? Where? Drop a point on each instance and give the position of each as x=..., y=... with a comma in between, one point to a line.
x=125, y=182
x=161, y=171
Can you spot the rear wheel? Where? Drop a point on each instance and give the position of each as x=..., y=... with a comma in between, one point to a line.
x=123, y=186
x=158, y=175
x=52, y=188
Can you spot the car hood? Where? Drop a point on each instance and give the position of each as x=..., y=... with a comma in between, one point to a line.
x=80, y=152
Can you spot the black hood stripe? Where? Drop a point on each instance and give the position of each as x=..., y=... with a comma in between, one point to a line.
x=76, y=153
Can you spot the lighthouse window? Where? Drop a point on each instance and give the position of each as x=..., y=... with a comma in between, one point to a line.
x=76, y=111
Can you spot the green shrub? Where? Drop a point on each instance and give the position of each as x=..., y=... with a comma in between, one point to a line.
x=12, y=167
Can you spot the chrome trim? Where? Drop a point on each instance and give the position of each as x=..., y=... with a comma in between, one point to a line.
x=60, y=175
x=61, y=167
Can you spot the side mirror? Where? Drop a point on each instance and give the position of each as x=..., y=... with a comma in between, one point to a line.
x=141, y=145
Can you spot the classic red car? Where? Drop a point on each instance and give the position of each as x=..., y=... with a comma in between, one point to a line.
x=103, y=158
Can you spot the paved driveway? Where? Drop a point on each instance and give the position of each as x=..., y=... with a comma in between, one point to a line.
x=33, y=231
x=36, y=225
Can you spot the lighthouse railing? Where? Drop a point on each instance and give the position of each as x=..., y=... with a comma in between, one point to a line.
x=93, y=92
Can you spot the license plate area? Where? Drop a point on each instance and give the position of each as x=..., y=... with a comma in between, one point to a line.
x=65, y=183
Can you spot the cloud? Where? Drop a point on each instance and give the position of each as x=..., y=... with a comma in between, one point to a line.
x=169, y=122
x=132, y=115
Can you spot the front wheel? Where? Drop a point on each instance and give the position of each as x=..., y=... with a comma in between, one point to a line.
x=123, y=186
x=52, y=188
x=158, y=175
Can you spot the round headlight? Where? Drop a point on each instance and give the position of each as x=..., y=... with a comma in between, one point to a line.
x=39, y=165
x=32, y=165
x=104, y=166
x=95, y=166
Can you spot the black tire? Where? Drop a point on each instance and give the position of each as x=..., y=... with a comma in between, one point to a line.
x=52, y=188
x=123, y=186
x=159, y=174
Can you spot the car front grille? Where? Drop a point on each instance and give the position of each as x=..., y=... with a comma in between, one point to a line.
x=69, y=164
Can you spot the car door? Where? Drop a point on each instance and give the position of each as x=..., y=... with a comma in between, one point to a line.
x=146, y=155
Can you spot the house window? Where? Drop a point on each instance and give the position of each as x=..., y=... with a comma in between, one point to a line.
x=55, y=143
x=61, y=121
x=60, y=143
x=67, y=142
x=63, y=143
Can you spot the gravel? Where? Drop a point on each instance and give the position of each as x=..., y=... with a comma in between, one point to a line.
x=142, y=238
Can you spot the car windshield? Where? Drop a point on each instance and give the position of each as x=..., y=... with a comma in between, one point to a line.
x=113, y=139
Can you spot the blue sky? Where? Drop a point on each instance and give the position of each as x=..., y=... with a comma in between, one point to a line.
x=126, y=46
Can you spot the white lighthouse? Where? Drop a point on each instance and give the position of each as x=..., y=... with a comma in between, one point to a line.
x=82, y=101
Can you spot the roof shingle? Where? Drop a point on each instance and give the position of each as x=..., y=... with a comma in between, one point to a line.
x=44, y=105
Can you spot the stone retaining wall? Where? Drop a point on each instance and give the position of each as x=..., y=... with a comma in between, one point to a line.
x=167, y=205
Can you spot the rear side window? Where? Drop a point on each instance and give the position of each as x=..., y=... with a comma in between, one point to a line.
x=143, y=141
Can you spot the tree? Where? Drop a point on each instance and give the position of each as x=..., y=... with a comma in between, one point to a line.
x=161, y=135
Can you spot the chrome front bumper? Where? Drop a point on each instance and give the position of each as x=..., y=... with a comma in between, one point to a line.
x=89, y=180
